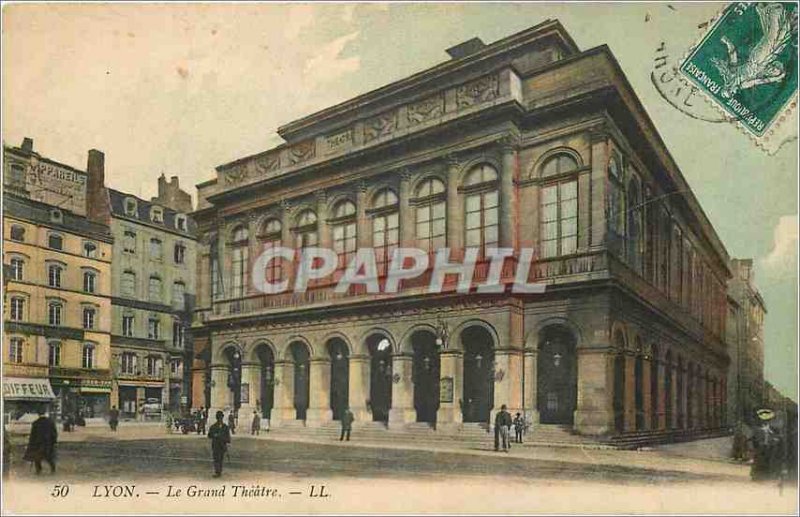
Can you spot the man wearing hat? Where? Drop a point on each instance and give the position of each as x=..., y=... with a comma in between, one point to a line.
x=220, y=435
x=766, y=442
x=502, y=424
x=42, y=442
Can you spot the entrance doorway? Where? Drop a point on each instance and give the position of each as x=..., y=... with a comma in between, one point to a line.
x=380, y=377
x=557, y=376
x=266, y=361
x=300, y=357
x=425, y=374
x=478, y=392
x=234, y=375
x=340, y=376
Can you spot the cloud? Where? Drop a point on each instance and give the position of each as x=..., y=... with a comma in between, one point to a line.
x=783, y=257
x=328, y=65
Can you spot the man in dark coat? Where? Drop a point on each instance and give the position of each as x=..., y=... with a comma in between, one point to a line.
x=113, y=418
x=502, y=424
x=347, y=424
x=220, y=435
x=42, y=443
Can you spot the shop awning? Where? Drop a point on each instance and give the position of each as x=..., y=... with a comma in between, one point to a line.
x=27, y=388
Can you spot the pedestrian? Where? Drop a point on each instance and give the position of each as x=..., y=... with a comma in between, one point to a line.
x=232, y=422
x=220, y=435
x=768, y=448
x=42, y=443
x=68, y=423
x=502, y=424
x=256, y=426
x=113, y=418
x=519, y=426
x=197, y=416
x=347, y=424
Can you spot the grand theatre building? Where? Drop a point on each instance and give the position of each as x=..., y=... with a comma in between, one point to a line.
x=526, y=143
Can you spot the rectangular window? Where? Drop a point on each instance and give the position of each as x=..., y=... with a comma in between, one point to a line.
x=153, y=328
x=155, y=249
x=89, y=281
x=54, y=354
x=559, y=219
x=55, y=242
x=175, y=366
x=177, y=335
x=16, y=350
x=155, y=289
x=215, y=279
x=129, y=242
x=155, y=366
x=88, y=317
x=54, y=314
x=17, y=270
x=54, y=276
x=128, y=284
x=128, y=363
x=88, y=356
x=178, y=295
x=17, y=309
x=431, y=226
x=127, y=325
x=180, y=253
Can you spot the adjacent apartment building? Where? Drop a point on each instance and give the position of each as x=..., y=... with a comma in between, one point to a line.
x=746, y=387
x=57, y=252
x=153, y=280
x=526, y=143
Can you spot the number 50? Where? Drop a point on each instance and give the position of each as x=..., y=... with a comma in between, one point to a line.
x=60, y=491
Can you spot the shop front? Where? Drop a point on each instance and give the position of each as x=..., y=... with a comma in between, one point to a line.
x=81, y=398
x=25, y=396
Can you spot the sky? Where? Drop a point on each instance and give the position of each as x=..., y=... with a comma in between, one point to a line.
x=179, y=89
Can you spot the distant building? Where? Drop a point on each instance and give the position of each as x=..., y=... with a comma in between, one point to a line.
x=745, y=331
x=153, y=285
x=57, y=252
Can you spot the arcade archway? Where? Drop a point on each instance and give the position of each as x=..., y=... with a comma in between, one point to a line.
x=478, y=391
x=340, y=376
x=300, y=355
x=425, y=374
x=380, y=377
x=557, y=376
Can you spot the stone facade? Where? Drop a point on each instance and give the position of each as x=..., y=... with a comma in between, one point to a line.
x=154, y=284
x=527, y=143
x=58, y=292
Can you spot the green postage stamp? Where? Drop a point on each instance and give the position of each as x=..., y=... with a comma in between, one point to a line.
x=746, y=64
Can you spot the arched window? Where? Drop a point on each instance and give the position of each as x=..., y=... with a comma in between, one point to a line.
x=559, y=215
x=154, y=289
x=16, y=350
x=130, y=207
x=560, y=163
x=17, y=233
x=157, y=215
x=239, y=260
x=88, y=356
x=305, y=230
x=17, y=269
x=344, y=231
x=481, y=207
x=385, y=227
x=431, y=215
x=271, y=237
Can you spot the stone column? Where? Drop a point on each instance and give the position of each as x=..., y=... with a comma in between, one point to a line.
x=287, y=241
x=283, y=395
x=319, y=392
x=676, y=397
x=595, y=413
x=661, y=401
x=530, y=392
x=449, y=415
x=402, y=411
x=406, y=212
x=508, y=195
x=508, y=380
x=323, y=228
x=363, y=233
x=251, y=375
x=358, y=389
x=599, y=175
x=220, y=392
x=647, y=400
x=630, y=392
x=455, y=226
x=684, y=372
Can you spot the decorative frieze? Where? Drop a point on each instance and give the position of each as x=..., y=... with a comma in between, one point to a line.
x=380, y=126
x=268, y=163
x=426, y=109
x=478, y=91
x=301, y=152
x=236, y=174
x=340, y=141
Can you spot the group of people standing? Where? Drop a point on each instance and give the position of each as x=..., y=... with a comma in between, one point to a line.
x=502, y=428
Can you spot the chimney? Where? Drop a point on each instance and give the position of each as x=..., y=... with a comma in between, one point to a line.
x=27, y=144
x=99, y=208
